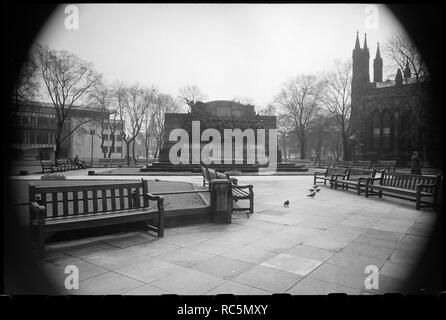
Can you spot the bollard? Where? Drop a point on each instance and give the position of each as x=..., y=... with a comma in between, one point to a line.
x=221, y=200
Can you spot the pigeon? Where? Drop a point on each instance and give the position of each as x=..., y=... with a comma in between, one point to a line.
x=318, y=189
x=157, y=180
x=286, y=203
x=312, y=189
x=315, y=186
x=312, y=194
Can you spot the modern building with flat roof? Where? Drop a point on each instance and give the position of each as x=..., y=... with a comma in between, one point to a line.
x=33, y=125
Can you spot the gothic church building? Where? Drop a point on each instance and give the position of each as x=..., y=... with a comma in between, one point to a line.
x=383, y=123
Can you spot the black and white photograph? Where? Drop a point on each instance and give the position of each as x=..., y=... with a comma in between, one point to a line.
x=213, y=148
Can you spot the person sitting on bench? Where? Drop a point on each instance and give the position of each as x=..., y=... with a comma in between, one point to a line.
x=80, y=163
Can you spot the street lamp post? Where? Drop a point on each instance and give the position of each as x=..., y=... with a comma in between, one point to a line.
x=92, y=134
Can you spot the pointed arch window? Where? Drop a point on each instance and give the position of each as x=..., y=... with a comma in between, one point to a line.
x=387, y=130
x=376, y=131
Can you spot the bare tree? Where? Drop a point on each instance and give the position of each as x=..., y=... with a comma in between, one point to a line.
x=336, y=98
x=26, y=83
x=101, y=99
x=161, y=104
x=67, y=79
x=119, y=95
x=136, y=101
x=285, y=126
x=401, y=51
x=299, y=99
x=269, y=110
x=403, y=54
x=191, y=94
x=146, y=135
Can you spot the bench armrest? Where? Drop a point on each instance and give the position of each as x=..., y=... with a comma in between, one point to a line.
x=318, y=173
x=247, y=186
x=36, y=211
x=159, y=200
x=234, y=181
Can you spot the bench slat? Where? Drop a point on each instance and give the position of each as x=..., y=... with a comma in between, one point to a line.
x=55, y=203
x=121, y=198
x=75, y=203
x=95, y=201
x=85, y=200
x=129, y=198
x=65, y=203
x=104, y=199
x=113, y=199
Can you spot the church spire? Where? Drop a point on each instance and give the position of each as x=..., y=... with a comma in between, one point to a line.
x=357, y=46
x=365, y=42
x=378, y=66
x=378, y=53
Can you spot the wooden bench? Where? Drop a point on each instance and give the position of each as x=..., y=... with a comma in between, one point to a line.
x=62, y=208
x=329, y=175
x=239, y=192
x=67, y=164
x=362, y=164
x=355, y=178
x=389, y=165
x=49, y=165
x=110, y=162
x=405, y=186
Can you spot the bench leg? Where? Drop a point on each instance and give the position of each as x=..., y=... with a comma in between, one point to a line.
x=251, y=206
x=161, y=223
x=41, y=235
x=418, y=201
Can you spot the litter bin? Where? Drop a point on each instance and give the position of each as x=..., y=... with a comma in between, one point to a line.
x=221, y=200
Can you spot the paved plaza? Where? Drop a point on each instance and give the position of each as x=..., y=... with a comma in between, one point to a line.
x=315, y=246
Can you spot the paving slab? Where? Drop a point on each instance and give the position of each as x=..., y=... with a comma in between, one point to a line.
x=309, y=286
x=293, y=264
x=188, y=282
x=249, y=253
x=231, y=287
x=222, y=267
x=107, y=283
x=339, y=275
x=268, y=279
x=311, y=252
x=185, y=256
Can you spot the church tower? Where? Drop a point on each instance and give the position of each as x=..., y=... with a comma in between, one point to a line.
x=360, y=86
x=360, y=67
x=378, y=66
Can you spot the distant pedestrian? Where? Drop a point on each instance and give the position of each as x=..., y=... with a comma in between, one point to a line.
x=80, y=163
x=415, y=161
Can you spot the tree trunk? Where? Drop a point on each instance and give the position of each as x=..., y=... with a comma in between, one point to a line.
x=303, y=151
x=345, y=148
x=57, y=149
x=127, y=144
x=133, y=151
x=147, y=145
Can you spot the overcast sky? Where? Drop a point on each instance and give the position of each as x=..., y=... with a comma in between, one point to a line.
x=226, y=50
